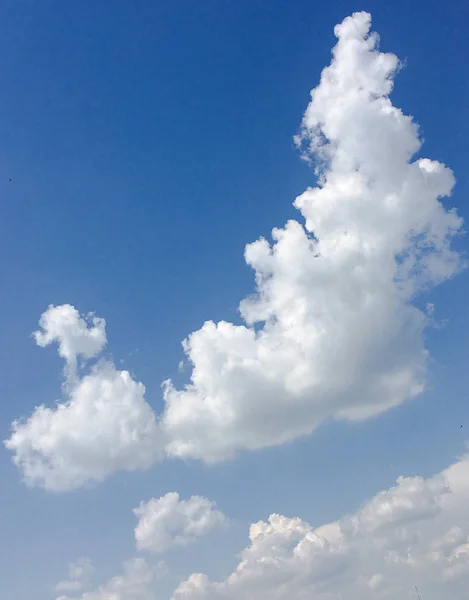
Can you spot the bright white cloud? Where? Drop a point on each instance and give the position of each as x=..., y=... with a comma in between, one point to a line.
x=104, y=425
x=414, y=534
x=331, y=332
x=137, y=582
x=339, y=337
x=74, y=334
x=79, y=573
x=168, y=521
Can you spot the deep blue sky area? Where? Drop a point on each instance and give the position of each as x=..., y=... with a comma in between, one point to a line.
x=142, y=145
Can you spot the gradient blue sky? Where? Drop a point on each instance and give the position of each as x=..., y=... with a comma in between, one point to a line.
x=142, y=145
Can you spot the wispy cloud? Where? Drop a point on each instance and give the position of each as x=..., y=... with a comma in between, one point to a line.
x=79, y=573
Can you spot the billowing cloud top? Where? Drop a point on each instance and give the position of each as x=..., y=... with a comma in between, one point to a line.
x=331, y=331
x=416, y=533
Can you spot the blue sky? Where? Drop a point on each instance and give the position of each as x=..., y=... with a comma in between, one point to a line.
x=141, y=148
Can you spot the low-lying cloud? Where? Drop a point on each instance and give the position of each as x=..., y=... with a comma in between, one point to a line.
x=413, y=534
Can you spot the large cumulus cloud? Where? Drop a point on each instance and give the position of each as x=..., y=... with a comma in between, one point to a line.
x=331, y=331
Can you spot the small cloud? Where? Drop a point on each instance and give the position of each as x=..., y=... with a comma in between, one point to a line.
x=169, y=521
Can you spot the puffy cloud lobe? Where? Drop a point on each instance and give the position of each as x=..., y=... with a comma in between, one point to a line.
x=416, y=533
x=75, y=335
x=105, y=424
x=339, y=337
x=79, y=573
x=135, y=583
x=168, y=521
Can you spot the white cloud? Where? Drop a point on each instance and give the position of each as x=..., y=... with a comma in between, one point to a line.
x=168, y=521
x=104, y=425
x=79, y=573
x=75, y=335
x=331, y=332
x=339, y=337
x=416, y=533
x=137, y=582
